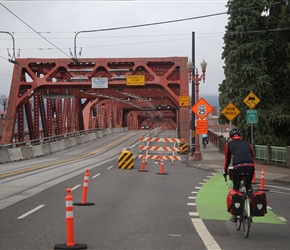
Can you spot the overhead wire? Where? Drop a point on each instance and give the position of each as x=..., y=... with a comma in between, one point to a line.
x=143, y=25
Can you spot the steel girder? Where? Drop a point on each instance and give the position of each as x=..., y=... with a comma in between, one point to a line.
x=55, y=96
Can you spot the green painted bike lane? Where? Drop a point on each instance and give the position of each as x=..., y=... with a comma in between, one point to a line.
x=211, y=202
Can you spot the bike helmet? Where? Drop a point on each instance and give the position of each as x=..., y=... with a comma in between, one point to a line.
x=235, y=132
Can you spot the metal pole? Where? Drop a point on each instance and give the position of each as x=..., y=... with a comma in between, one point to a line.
x=252, y=133
x=193, y=134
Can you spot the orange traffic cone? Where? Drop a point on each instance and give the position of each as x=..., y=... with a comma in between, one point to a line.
x=70, y=244
x=162, y=166
x=254, y=178
x=143, y=164
x=85, y=191
x=262, y=185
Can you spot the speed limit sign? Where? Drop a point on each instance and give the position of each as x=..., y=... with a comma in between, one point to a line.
x=201, y=108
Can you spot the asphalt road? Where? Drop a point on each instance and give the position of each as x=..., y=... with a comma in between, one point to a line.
x=132, y=209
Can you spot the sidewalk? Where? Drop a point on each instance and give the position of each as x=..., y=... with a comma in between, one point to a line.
x=213, y=160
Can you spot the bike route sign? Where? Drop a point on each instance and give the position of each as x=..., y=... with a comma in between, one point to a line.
x=252, y=116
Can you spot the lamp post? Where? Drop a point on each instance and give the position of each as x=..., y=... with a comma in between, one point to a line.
x=4, y=101
x=195, y=79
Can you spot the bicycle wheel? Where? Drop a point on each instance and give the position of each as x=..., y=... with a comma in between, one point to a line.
x=239, y=223
x=246, y=219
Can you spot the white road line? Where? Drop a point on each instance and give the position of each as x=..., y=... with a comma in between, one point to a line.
x=191, y=197
x=205, y=180
x=96, y=176
x=204, y=234
x=30, y=212
x=110, y=167
x=193, y=214
x=197, y=187
x=194, y=192
x=75, y=187
x=277, y=187
x=191, y=204
x=269, y=208
x=282, y=219
x=201, y=183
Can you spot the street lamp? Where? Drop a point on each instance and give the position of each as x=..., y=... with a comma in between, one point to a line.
x=195, y=79
x=4, y=101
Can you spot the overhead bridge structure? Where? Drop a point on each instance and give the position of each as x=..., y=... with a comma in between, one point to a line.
x=56, y=96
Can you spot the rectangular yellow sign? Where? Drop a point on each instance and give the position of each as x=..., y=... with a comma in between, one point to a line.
x=135, y=80
x=184, y=101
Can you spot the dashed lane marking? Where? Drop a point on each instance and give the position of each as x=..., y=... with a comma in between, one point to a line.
x=204, y=234
x=193, y=214
x=96, y=175
x=75, y=187
x=30, y=212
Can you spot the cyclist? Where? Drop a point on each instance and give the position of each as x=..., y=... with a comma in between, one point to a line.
x=242, y=155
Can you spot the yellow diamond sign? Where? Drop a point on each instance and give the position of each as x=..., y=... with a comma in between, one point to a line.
x=230, y=111
x=251, y=100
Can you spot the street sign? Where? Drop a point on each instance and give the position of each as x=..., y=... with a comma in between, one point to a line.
x=230, y=111
x=252, y=116
x=184, y=101
x=251, y=100
x=201, y=108
x=201, y=126
x=135, y=80
x=100, y=83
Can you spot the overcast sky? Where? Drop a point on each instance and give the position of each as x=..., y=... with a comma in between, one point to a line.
x=58, y=21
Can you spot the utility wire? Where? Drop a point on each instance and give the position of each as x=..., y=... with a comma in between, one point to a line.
x=33, y=29
x=140, y=25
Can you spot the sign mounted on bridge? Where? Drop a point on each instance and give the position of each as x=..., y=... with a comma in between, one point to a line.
x=201, y=108
x=99, y=82
x=184, y=101
x=251, y=100
x=230, y=111
x=135, y=80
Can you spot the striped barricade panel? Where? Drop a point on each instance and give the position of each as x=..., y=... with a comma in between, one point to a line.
x=155, y=139
x=158, y=157
x=184, y=148
x=126, y=160
x=161, y=148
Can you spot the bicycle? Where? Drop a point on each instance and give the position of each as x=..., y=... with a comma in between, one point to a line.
x=245, y=218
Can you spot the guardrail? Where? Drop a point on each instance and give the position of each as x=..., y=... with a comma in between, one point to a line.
x=44, y=146
x=264, y=153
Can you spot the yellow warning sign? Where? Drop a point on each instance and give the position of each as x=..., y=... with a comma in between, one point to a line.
x=135, y=80
x=184, y=101
x=230, y=111
x=251, y=100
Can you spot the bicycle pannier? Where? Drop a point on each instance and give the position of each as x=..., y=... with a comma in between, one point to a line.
x=235, y=202
x=259, y=203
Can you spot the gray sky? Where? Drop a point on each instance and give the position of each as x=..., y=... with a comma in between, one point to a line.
x=58, y=21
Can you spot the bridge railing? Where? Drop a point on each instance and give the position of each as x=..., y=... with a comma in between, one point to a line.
x=265, y=153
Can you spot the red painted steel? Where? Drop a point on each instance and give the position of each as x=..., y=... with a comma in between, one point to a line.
x=55, y=96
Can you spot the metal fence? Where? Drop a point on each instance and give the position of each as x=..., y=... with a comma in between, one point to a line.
x=265, y=153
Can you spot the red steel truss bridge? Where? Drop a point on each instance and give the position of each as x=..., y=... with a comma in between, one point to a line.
x=56, y=96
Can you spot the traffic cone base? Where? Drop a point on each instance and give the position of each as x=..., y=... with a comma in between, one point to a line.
x=76, y=246
x=83, y=204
